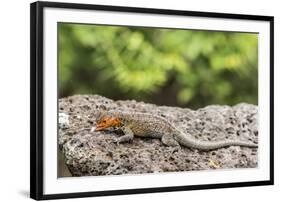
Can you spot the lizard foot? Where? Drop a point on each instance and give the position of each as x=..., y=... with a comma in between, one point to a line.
x=122, y=139
x=168, y=140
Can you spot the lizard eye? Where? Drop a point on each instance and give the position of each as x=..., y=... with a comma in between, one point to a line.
x=104, y=121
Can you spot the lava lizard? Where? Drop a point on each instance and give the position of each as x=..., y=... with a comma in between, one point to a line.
x=148, y=125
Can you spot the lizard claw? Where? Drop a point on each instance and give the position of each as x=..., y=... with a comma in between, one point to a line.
x=176, y=149
x=116, y=141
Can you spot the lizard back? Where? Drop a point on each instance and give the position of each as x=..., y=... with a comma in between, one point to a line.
x=143, y=124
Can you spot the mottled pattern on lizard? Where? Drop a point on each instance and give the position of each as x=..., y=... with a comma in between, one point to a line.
x=148, y=125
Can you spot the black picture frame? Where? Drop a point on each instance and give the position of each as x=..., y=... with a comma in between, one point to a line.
x=36, y=98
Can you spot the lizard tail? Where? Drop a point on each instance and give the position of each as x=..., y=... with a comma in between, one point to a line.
x=202, y=145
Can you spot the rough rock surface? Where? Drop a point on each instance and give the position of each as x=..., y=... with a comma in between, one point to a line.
x=96, y=153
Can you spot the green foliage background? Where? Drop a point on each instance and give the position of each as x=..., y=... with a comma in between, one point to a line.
x=162, y=66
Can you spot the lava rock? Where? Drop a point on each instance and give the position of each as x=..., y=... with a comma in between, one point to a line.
x=90, y=153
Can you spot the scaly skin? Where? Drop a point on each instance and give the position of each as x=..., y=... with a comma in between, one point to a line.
x=147, y=125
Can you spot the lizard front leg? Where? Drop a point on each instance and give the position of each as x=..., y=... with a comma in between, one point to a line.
x=128, y=135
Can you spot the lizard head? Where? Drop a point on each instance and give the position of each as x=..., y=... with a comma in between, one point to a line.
x=107, y=122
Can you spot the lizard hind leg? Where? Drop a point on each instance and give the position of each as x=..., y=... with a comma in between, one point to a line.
x=169, y=140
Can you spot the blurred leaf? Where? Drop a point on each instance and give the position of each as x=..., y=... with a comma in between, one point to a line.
x=185, y=95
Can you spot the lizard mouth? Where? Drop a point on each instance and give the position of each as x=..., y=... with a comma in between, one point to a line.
x=100, y=127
